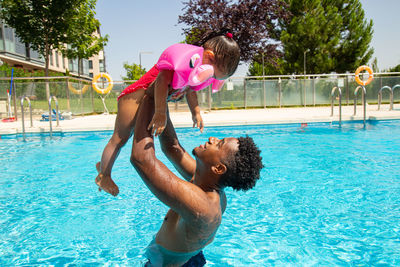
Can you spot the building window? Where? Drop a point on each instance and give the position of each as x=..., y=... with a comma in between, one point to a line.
x=85, y=67
x=9, y=39
x=35, y=55
x=73, y=65
x=101, y=65
x=57, y=63
x=20, y=47
x=91, y=75
x=1, y=39
x=90, y=64
x=51, y=59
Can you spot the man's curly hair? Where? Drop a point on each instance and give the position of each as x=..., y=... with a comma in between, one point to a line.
x=243, y=167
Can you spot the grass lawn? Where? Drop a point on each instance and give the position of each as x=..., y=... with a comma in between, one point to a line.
x=77, y=106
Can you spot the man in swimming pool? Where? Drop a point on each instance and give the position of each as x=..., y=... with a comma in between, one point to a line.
x=197, y=203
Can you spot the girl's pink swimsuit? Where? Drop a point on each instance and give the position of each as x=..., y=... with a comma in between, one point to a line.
x=143, y=83
x=184, y=60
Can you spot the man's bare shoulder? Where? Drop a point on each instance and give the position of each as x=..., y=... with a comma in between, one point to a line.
x=210, y=210
x=195, y=202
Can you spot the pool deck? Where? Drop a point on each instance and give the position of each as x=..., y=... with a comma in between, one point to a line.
x=214, y=118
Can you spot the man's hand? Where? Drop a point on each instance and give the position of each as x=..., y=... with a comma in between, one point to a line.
x=198, y=120
x=158, y=123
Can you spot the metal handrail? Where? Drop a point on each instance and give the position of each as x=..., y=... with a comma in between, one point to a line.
x=394, y=87
x=364, y=101
x=340, y=103
x=355, y=98
x=50, y=113
x=380, y=97
x=22, y=113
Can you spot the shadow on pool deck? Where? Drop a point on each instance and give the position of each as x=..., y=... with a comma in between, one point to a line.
x=215, y=118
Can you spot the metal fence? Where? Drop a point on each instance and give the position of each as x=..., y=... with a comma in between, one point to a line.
x=289, y=91
x=78, y=97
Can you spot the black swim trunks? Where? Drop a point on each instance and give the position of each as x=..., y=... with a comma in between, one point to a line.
x=197, y=260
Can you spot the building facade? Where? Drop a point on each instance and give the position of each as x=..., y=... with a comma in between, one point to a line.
x=20, y=55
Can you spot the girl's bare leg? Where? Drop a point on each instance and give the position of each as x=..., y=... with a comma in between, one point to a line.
x=124, y=124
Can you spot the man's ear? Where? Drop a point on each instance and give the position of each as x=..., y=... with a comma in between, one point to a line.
x=210, y=55
x=219, y=169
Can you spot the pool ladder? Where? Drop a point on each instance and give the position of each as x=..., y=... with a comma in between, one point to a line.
x=364, y=101
x=23, y=98
x=30, y=112
x=391, y=91
x=51, y=113
x=340, y=103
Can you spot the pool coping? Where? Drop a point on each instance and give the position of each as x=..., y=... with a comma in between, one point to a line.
x=214, y=118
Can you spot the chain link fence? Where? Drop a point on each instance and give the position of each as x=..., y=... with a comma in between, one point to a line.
x=78, y=97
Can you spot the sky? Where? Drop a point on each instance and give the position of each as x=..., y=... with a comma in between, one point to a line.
x=141, y=26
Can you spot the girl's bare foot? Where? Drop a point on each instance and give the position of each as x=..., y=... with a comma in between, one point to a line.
x=106, y=183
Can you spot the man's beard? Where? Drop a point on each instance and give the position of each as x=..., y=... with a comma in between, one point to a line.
x=193, y=152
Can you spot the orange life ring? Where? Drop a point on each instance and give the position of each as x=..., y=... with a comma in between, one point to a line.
x=370, y=77
x=100, y=90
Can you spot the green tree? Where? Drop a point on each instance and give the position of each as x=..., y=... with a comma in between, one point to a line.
x=355, y=36
x=250, y=21
x=327, y=35
x=271, y=67
x=394, y=69
x=313, y=28
x=374, y=65
x=83, y=34
x=133, y=72
x=44, y=24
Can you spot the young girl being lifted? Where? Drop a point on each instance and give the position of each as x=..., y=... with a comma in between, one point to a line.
x=181, y=70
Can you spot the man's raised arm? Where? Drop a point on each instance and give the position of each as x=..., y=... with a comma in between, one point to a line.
x=177, y=155
x=185, y=198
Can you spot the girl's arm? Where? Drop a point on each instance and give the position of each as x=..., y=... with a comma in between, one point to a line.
x=159, y=120
x=191, y=98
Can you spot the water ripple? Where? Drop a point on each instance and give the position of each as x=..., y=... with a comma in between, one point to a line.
x=327, y=196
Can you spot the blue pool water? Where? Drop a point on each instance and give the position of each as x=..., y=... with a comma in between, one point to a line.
x=328, y=196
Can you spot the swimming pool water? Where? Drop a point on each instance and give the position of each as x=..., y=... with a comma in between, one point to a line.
x=327, y=196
